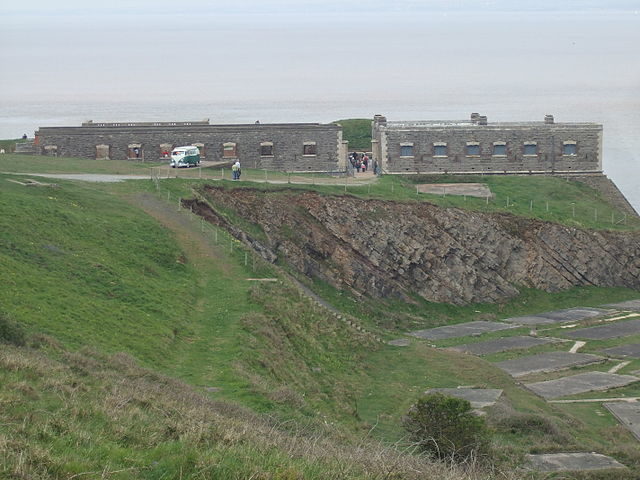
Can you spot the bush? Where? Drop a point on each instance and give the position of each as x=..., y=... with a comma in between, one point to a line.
x=446, y=428
x=10, y=331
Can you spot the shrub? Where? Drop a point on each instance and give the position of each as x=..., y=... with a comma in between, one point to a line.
x=446, y=428
x=10, y=331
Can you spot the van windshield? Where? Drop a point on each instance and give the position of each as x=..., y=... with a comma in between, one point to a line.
x=178, y=152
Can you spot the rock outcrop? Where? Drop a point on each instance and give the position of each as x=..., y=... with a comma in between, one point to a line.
x=392, y=249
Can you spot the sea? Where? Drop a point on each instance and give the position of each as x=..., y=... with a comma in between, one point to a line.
x=580, y=66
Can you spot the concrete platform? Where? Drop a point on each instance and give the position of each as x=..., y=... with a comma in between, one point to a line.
x=604, y=332
x=562, y=462
x=400, y=342
x=460, y=330
x=469, y=189
x=478, y=397
x=631, y=350
x=580, y=383
x=632, y=305
x=628, y=414
x=501, y=345
x=547, y=362
x=559, y=316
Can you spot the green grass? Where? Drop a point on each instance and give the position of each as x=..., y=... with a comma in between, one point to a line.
x=85, y=264
x=43, y=164
x=358, y=132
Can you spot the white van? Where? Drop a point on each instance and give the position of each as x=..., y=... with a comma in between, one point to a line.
x=188, y=156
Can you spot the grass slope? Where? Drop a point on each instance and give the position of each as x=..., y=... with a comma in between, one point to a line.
x=119, y=268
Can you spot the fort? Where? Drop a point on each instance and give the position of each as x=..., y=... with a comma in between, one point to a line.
x=465, y=146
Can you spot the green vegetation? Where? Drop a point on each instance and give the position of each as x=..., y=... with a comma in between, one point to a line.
x=90, y=271
x=358, y=132
x=10, y=331
x=446, y=428
x=9, y=146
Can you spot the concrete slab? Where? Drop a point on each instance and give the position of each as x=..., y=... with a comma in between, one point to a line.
x=628, y=414
x=632, y=305
x=400, y=342
x=580, y=383
x=502, y=345
x=563, y=462
x=461, y=330
x=604, y=332
x=631, y=350
x=559, y=316
x=470, y=189
x=547, y=362
x=478, y=397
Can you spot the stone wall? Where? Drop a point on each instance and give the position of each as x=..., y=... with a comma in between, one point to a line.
x=550, y=140
x=118, y=141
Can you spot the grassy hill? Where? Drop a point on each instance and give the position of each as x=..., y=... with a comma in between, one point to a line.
x=154, y=353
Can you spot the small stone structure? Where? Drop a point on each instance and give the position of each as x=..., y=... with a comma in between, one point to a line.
x=308, y=147
x=478, y=146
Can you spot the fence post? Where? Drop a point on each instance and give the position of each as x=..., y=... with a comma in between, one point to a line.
x=531, y=206
x=245, y=258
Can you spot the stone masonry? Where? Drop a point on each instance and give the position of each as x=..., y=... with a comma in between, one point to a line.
x=477, y=146
x=286, y=147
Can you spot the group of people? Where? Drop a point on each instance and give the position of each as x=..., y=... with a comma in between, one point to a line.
x=236, y=171
x=359, y=161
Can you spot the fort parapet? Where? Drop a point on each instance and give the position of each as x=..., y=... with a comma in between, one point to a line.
x=479, y=146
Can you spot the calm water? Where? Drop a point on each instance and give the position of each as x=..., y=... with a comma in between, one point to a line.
x=283, y=68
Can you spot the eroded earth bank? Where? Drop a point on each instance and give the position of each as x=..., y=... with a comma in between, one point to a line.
x=393, y=249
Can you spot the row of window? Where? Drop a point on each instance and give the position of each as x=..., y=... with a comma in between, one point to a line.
x=229, y=149
x=441, y=149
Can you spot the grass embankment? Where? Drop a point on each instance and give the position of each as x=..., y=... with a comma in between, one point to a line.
x=358, y=132
x=87, y=415
x=87, y=267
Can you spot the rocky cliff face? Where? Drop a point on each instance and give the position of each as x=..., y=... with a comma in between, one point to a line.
x=443, y=255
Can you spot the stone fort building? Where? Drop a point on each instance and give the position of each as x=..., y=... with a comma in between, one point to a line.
x=468, y=146
x=283, y=146
x=477, y=146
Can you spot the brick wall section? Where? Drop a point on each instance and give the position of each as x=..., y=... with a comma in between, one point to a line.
x=549, y=139
x=287, y=139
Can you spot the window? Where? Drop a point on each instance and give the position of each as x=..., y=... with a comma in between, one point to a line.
x=309, y=148
x=439, y=149
x=406, y=149
x=229, y=150
x=102, y=152
x=569, y=148
x=473, y=149
x=530, y=148
x=51, y=150
x=266, y=149
x=499, y=149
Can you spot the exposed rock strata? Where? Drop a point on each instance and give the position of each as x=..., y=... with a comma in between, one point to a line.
x=444, y=255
